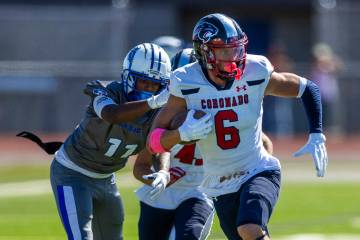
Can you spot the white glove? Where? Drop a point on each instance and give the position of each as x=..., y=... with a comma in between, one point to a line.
x=160, y=180
x=195, y=129
x=157, y=101
x=316, y=147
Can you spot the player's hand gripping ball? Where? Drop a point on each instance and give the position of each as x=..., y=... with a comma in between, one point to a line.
x=179, y=119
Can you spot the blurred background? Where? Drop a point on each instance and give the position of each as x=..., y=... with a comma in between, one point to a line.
x=50, y=49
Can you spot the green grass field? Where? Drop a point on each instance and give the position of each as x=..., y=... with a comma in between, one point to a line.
x=304, y=207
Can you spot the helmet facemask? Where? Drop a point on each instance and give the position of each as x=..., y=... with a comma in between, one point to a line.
x=129, y=80
x=226, y=60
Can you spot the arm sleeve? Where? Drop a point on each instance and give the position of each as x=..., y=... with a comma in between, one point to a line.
x=312, y=104
x=100, y=102
x=114, y=97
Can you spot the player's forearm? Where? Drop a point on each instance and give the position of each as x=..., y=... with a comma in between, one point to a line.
x=161, y=139
x=170, y=138
x=125, y=112
x=312, y=103
x=162, y=161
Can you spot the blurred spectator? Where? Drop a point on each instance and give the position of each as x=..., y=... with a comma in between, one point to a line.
x=325, y=67
x=278, y=117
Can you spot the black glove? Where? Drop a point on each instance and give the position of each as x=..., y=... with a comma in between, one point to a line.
x=95, y=88
x=49, y=147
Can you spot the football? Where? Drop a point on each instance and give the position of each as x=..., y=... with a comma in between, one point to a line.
x=180, y=118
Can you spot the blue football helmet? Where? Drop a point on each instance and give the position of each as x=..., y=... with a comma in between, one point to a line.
x=145, y=61
x=182, y=58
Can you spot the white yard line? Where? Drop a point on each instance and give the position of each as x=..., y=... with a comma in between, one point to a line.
x=28, y=188
x=309, y=175
x=39, y=187
x=290, y=174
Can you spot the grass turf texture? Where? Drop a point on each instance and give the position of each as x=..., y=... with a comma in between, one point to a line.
x=326, y=208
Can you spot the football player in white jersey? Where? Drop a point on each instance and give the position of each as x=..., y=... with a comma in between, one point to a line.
x=229, y=85
x=181, y=205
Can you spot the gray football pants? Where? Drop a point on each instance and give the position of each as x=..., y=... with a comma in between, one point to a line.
x=90, y=209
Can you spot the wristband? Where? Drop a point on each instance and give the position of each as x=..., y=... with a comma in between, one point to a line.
x=100, y=102
x=302, y=86
x=154, y=141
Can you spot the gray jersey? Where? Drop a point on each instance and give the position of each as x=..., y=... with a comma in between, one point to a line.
x=101, y=147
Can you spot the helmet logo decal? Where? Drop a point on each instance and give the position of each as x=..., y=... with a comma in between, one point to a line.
x=207, y=31
x=99, y=92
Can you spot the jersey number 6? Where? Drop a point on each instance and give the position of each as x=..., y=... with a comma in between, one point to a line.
x=226, y=137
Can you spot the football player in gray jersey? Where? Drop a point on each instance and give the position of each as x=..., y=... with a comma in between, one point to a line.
x=114, y=127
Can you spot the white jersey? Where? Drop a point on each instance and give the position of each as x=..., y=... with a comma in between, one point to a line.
x=188, y=158
x=233, y=151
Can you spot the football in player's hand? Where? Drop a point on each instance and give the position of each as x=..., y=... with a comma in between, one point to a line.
x=180, y=118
